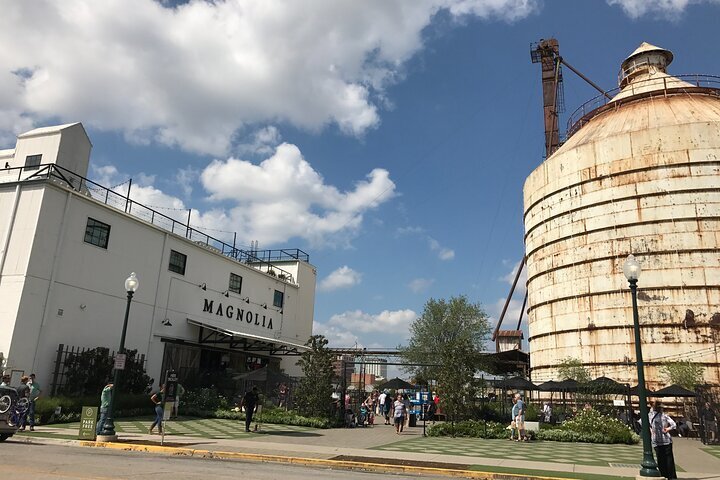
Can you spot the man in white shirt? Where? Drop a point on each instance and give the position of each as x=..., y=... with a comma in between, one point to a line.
x=381, y=402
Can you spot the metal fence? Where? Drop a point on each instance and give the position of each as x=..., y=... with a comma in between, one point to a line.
x=179, y=224
x=651, y=87
x=65, y=353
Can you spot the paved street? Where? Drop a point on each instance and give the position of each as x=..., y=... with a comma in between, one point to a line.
x=380, y=444
x=63, y=462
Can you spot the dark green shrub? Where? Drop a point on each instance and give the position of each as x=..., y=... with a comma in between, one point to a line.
x=472, y=429
x=270, y=415
x=125, y=406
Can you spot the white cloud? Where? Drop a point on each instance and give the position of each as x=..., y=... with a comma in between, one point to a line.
x=387, y=321
x=670, y=9
x=262, y=141
x=185, y=178
x=203, y=74
x=337, y=337
x=281, y=198
x=522, y=281
x=284, y=197
x=343, y=277
x=443, y=252
x=142, y=192
x=419, y=285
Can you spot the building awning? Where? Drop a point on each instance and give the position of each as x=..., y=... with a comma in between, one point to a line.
x=247, y=342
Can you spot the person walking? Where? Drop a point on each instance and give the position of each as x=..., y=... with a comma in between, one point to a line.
x=660, y=426
x=176, y=404
x=23, y=392
x=157, y=399
x=513, y=415
x=250, y=402
x=381, y=406
x=35, y=392
x=519, y=408
x=408, y=407
x=399, y=414
x=709, y=423
x=547, y=412
x=104, y=405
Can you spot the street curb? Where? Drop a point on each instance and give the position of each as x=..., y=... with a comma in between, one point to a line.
x=314, y=462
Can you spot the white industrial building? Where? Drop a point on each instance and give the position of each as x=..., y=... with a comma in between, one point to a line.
x=67, y=245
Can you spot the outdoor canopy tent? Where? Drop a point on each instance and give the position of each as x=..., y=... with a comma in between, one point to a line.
x=549, y=386
x=634, y=391
x=568, y=385
x=606, y=385
x=395, y=384
x=672, y=391
x=517, y=383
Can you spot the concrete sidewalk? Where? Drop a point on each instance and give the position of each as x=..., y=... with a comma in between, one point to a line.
x=357, y=446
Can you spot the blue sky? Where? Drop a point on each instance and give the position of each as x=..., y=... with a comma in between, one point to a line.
x=389, y=140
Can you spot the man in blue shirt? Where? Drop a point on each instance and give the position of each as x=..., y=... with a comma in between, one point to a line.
x=104, y=404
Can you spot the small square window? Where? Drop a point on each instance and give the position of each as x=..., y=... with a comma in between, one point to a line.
x=177, y=262
x=235, y=284
x=97, y=233
x=32, y=162
x=278, y=299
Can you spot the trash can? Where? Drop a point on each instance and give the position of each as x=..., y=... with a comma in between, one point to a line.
x=413, y=420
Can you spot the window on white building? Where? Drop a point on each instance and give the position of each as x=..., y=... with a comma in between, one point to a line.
x=32, y=162
x=177, y=262
x=235, y=284
x=97, y=233
x=278, y=299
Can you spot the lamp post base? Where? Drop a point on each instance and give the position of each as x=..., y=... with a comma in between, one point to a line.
x=106, y=438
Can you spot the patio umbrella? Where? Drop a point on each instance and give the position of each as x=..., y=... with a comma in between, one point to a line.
x=549, y=386
x=634, y=391
x=606, y=385
x=518, y=383
x=568, y=385
x=672, y=391
x=395, y=384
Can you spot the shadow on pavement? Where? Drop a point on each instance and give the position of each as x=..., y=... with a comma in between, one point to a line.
x=289, y=434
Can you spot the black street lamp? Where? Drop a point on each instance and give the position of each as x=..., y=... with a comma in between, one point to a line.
x=131, y=285
x=632, y=269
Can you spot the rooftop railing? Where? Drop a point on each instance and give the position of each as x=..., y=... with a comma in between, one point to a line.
x=640, y=89
x=258, y=259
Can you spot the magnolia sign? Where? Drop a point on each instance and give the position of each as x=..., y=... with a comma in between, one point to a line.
x=237, y=313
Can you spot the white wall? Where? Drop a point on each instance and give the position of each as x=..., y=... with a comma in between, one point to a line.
x=71, y=292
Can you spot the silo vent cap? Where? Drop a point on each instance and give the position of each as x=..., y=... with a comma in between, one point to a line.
x=646, y=59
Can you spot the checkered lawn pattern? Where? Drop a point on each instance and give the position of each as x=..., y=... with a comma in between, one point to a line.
x=206, y=428
x=558, y=452
x=713, y=450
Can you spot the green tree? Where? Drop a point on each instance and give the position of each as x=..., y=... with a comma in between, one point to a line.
x=314, y=392
x=573, y=369
x=687, y=374
x=448, y=335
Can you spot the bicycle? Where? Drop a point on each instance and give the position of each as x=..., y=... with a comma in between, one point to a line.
x=19, y=412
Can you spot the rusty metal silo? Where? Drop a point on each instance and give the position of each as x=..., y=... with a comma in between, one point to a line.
x=640, y=174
